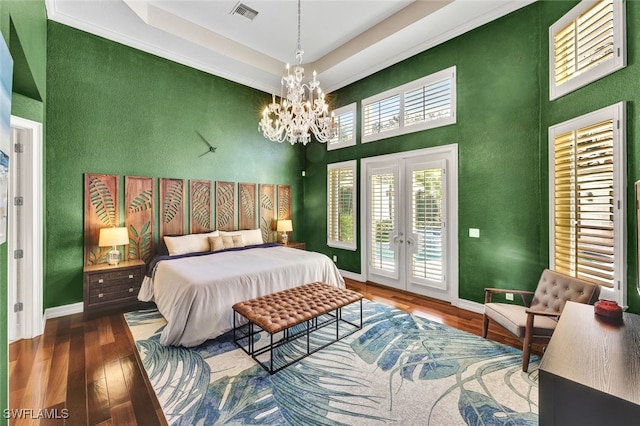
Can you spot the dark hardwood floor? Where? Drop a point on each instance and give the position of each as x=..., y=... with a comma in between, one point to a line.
x=87, y=370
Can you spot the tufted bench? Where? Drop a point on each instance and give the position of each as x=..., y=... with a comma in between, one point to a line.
x=316, y=305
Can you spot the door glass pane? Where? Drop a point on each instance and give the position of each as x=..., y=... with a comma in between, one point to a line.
x=383, y=193
x=426, y=187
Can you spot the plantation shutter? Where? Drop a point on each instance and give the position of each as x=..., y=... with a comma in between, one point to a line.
x=383, y=202
x=340, y=206
x=382, y=116
x=587, y=43
x=428, y=102
x=426, y=189
x=585, y=204
x=344, y=125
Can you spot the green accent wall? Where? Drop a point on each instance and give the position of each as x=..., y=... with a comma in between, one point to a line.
x=116, y=110
x=501, y=131
x=23, y=26
x=620, y=86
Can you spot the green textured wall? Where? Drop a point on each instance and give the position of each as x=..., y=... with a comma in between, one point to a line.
x=497, y=133
x=23, y=25
x=622, y=85
x=116, y=110
x=503, y=116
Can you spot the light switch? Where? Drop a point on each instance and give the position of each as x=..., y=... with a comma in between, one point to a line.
x=474, y=233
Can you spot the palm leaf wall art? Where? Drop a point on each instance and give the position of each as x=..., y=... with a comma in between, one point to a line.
x=172, y=206
x=139, y=214
x=226, y=206
x=247, y=206
x=101, y=200
x=267, y=211
x=284, y=202
x=200, y=207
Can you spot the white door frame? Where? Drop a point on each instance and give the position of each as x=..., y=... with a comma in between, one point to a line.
x=30, y=176
x=450, y=154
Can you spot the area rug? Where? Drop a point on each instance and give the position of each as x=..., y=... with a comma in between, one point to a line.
x=399, y=369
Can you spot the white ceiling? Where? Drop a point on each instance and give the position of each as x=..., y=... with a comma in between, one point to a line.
x=343, y=40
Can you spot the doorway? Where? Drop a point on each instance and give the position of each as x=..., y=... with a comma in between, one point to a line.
x=25, y=234
x=410, y=229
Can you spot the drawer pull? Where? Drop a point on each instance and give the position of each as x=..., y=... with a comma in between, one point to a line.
x=100, y=281
x=131, y=290
x=100, y=295
x=131, y=276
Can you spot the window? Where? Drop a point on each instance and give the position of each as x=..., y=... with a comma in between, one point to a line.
x=344, y=121
x=341, y=205
x=419, y=105
x=586, y=44
x=587, y=198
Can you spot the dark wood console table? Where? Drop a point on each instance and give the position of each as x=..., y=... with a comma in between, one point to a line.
x=590, y=372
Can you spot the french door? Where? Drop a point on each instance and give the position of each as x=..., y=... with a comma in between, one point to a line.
x=408, y=210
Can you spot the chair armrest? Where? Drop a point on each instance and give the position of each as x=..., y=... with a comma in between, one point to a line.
x=543, y=313
x=524, y=294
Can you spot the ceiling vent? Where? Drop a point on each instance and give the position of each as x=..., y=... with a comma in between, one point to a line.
x=244, y=10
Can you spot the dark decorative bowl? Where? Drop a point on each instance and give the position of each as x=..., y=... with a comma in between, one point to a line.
x=608, y=309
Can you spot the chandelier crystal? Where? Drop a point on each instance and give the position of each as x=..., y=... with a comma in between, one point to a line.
x=301, y=111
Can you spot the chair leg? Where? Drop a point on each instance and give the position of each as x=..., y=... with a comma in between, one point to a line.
x=526, y=343
x=485, y=325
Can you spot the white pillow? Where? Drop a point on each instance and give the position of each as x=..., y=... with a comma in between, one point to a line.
x=190, y=243
x=251, y=237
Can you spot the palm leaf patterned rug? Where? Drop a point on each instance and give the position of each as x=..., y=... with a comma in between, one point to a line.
x=399, y=369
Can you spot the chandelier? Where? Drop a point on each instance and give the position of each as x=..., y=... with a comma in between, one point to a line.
x=302, y=110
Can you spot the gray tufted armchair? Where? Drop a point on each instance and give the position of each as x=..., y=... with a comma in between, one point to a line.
x=535, y=322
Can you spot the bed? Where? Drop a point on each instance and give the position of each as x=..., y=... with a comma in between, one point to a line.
x=195, y=291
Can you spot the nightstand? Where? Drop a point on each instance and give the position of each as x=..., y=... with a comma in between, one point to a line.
x=293, y=244
x=108, y=287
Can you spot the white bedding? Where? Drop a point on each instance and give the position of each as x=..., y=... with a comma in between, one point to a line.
x=195, y=294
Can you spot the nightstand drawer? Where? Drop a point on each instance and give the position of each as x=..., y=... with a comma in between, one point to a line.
x=115, y=277
x=115, y=291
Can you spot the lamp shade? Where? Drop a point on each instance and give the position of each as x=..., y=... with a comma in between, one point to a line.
x=113, y=237
x=284, y=226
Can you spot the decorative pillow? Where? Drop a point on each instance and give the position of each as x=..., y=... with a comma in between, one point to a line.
x=250, y=237
x=215, y=244
x=225, y=242
x=191, y=243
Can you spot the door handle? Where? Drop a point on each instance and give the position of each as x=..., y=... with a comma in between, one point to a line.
x=397, y=239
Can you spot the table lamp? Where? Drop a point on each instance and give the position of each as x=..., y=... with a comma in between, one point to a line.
x=285, y=226
x=113, y=237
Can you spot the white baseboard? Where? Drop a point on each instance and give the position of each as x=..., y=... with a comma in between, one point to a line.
x=351, y=275
x=469, y=305
x=61, y=311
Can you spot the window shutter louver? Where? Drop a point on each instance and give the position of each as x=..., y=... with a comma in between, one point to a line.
x=584, y=203
x=422, y=104
x=344, y=128
x=382, y=116
x=382, y=214
x=341, y=206
x=427, y=224
x=344, y=122
x=429, y=102
x=594, y=38
x=588, y=36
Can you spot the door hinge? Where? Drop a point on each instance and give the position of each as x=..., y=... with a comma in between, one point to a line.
x=18, y=201
x=18, y=254
x=18, y=307
x=18, y=147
